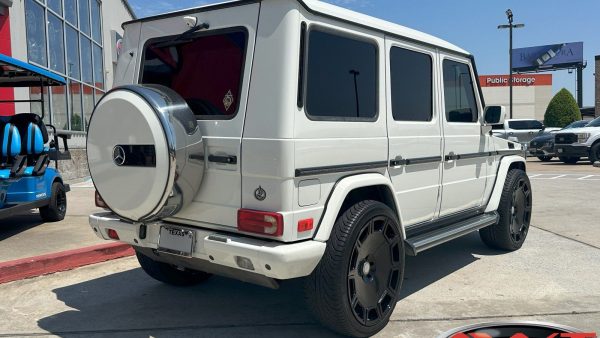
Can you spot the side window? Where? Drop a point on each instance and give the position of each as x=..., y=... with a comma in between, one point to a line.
x=459, y=93
x=341, y=78
x=525, y=124
x=412, y=85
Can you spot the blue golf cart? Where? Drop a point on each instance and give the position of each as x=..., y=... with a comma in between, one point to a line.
x=26, y=151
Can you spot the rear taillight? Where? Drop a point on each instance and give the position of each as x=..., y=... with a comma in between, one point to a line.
x=99, y=201
x=260, y=222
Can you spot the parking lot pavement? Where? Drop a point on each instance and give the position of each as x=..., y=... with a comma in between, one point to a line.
x=553, y=278
x=25, y=235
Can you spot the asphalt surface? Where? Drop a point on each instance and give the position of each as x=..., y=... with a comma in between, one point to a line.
x=553, y=278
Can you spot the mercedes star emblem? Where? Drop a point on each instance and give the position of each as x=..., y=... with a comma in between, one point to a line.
x=119, y=155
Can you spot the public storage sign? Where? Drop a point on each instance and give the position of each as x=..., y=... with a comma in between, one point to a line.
x=518, y=80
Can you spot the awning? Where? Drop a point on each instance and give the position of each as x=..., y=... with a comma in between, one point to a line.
x=16, y=73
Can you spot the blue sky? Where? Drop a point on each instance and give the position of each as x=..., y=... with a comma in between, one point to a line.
x=471, y=24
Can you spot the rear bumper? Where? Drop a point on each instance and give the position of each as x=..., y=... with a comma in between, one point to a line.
x=271, y=259
x=571, y=150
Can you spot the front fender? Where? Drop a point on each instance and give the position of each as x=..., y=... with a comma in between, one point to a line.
x=505, y=165
x=338, y=196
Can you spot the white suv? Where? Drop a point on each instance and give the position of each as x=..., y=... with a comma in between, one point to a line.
x=276, y=139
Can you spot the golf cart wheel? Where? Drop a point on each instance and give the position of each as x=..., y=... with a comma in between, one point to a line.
x=515, y=214
x=355, y=287
x=569, y=159
x=545, y=158
x=170, y=274
x=57, y=209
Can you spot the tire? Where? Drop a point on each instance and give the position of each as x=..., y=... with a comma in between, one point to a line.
x=515, y=214
x=56, y=210
x=545, y=158
x=345, y=292
x=595, y=153
x=170, y=274
x=569, y=159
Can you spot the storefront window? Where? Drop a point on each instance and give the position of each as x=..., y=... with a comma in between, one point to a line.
x=35, y=93
x=71, y=11
x=70, y=43
x=76, y=120
x=55, y=39
x=96, y=22
x=84, y=16
x=88, y=104
x=98, y=67
x=86, y=60
x=55, y=5
x=59, y=108
x=73, y=54
x=36, y=33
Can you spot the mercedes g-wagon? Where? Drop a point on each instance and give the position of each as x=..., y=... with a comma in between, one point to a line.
x=276, y=139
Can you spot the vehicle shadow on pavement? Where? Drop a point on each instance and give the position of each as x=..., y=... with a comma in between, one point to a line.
x=441, y=261
x=15, y=225
x=131, y=304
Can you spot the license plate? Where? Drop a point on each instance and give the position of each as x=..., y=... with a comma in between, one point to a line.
x=560, y=150
x=176, y=241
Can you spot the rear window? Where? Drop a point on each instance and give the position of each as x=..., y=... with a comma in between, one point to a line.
x=207, y=71
x=519, y=125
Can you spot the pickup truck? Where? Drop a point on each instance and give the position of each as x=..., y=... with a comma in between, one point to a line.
x=520, y=130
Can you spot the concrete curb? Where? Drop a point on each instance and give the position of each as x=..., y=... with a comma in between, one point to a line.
x=62, y=261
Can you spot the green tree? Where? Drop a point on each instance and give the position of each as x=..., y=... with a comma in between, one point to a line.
x=562, y=110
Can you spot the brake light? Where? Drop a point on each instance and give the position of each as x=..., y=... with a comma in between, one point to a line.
x=260, y=222
x=99, y=201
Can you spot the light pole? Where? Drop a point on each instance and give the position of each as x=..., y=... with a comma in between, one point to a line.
x=510, y=26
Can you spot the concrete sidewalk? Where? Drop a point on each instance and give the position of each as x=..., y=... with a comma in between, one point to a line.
x=552, y=279
x=25, y=235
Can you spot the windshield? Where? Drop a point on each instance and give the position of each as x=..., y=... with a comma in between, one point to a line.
x=594, y=123
x=206, y=71
x=577, y=124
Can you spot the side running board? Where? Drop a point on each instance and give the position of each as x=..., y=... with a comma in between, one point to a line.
x=428, y=240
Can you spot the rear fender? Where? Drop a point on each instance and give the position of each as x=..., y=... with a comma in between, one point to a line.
x=338, y=196
x=506, y=163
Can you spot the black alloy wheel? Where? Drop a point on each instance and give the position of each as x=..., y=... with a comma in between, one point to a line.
x=355, y=287
x=374, y=271
x=514, y=211
x=520, y=210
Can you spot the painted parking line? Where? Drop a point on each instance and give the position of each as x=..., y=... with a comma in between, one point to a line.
x=579, y=177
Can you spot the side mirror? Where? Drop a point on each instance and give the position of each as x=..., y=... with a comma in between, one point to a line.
x=494, y=115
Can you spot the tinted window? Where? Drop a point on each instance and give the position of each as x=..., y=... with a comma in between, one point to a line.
x=341, y=78
x=594, y=123
x=527, y=124
x=412, y=88
x=206, y=71
x=459, y=93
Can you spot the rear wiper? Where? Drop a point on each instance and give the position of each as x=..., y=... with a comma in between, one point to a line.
x=183, y=37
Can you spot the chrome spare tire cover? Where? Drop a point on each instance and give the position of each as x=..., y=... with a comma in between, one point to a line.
x=145, y=152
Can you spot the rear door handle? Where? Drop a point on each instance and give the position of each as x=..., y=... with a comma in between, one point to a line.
x=224, y=159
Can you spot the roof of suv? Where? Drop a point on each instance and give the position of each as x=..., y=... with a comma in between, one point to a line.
x=335, y=12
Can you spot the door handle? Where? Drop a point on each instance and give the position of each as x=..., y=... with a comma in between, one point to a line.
x=451, y=157
x=511, y=133
x=224, y=159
